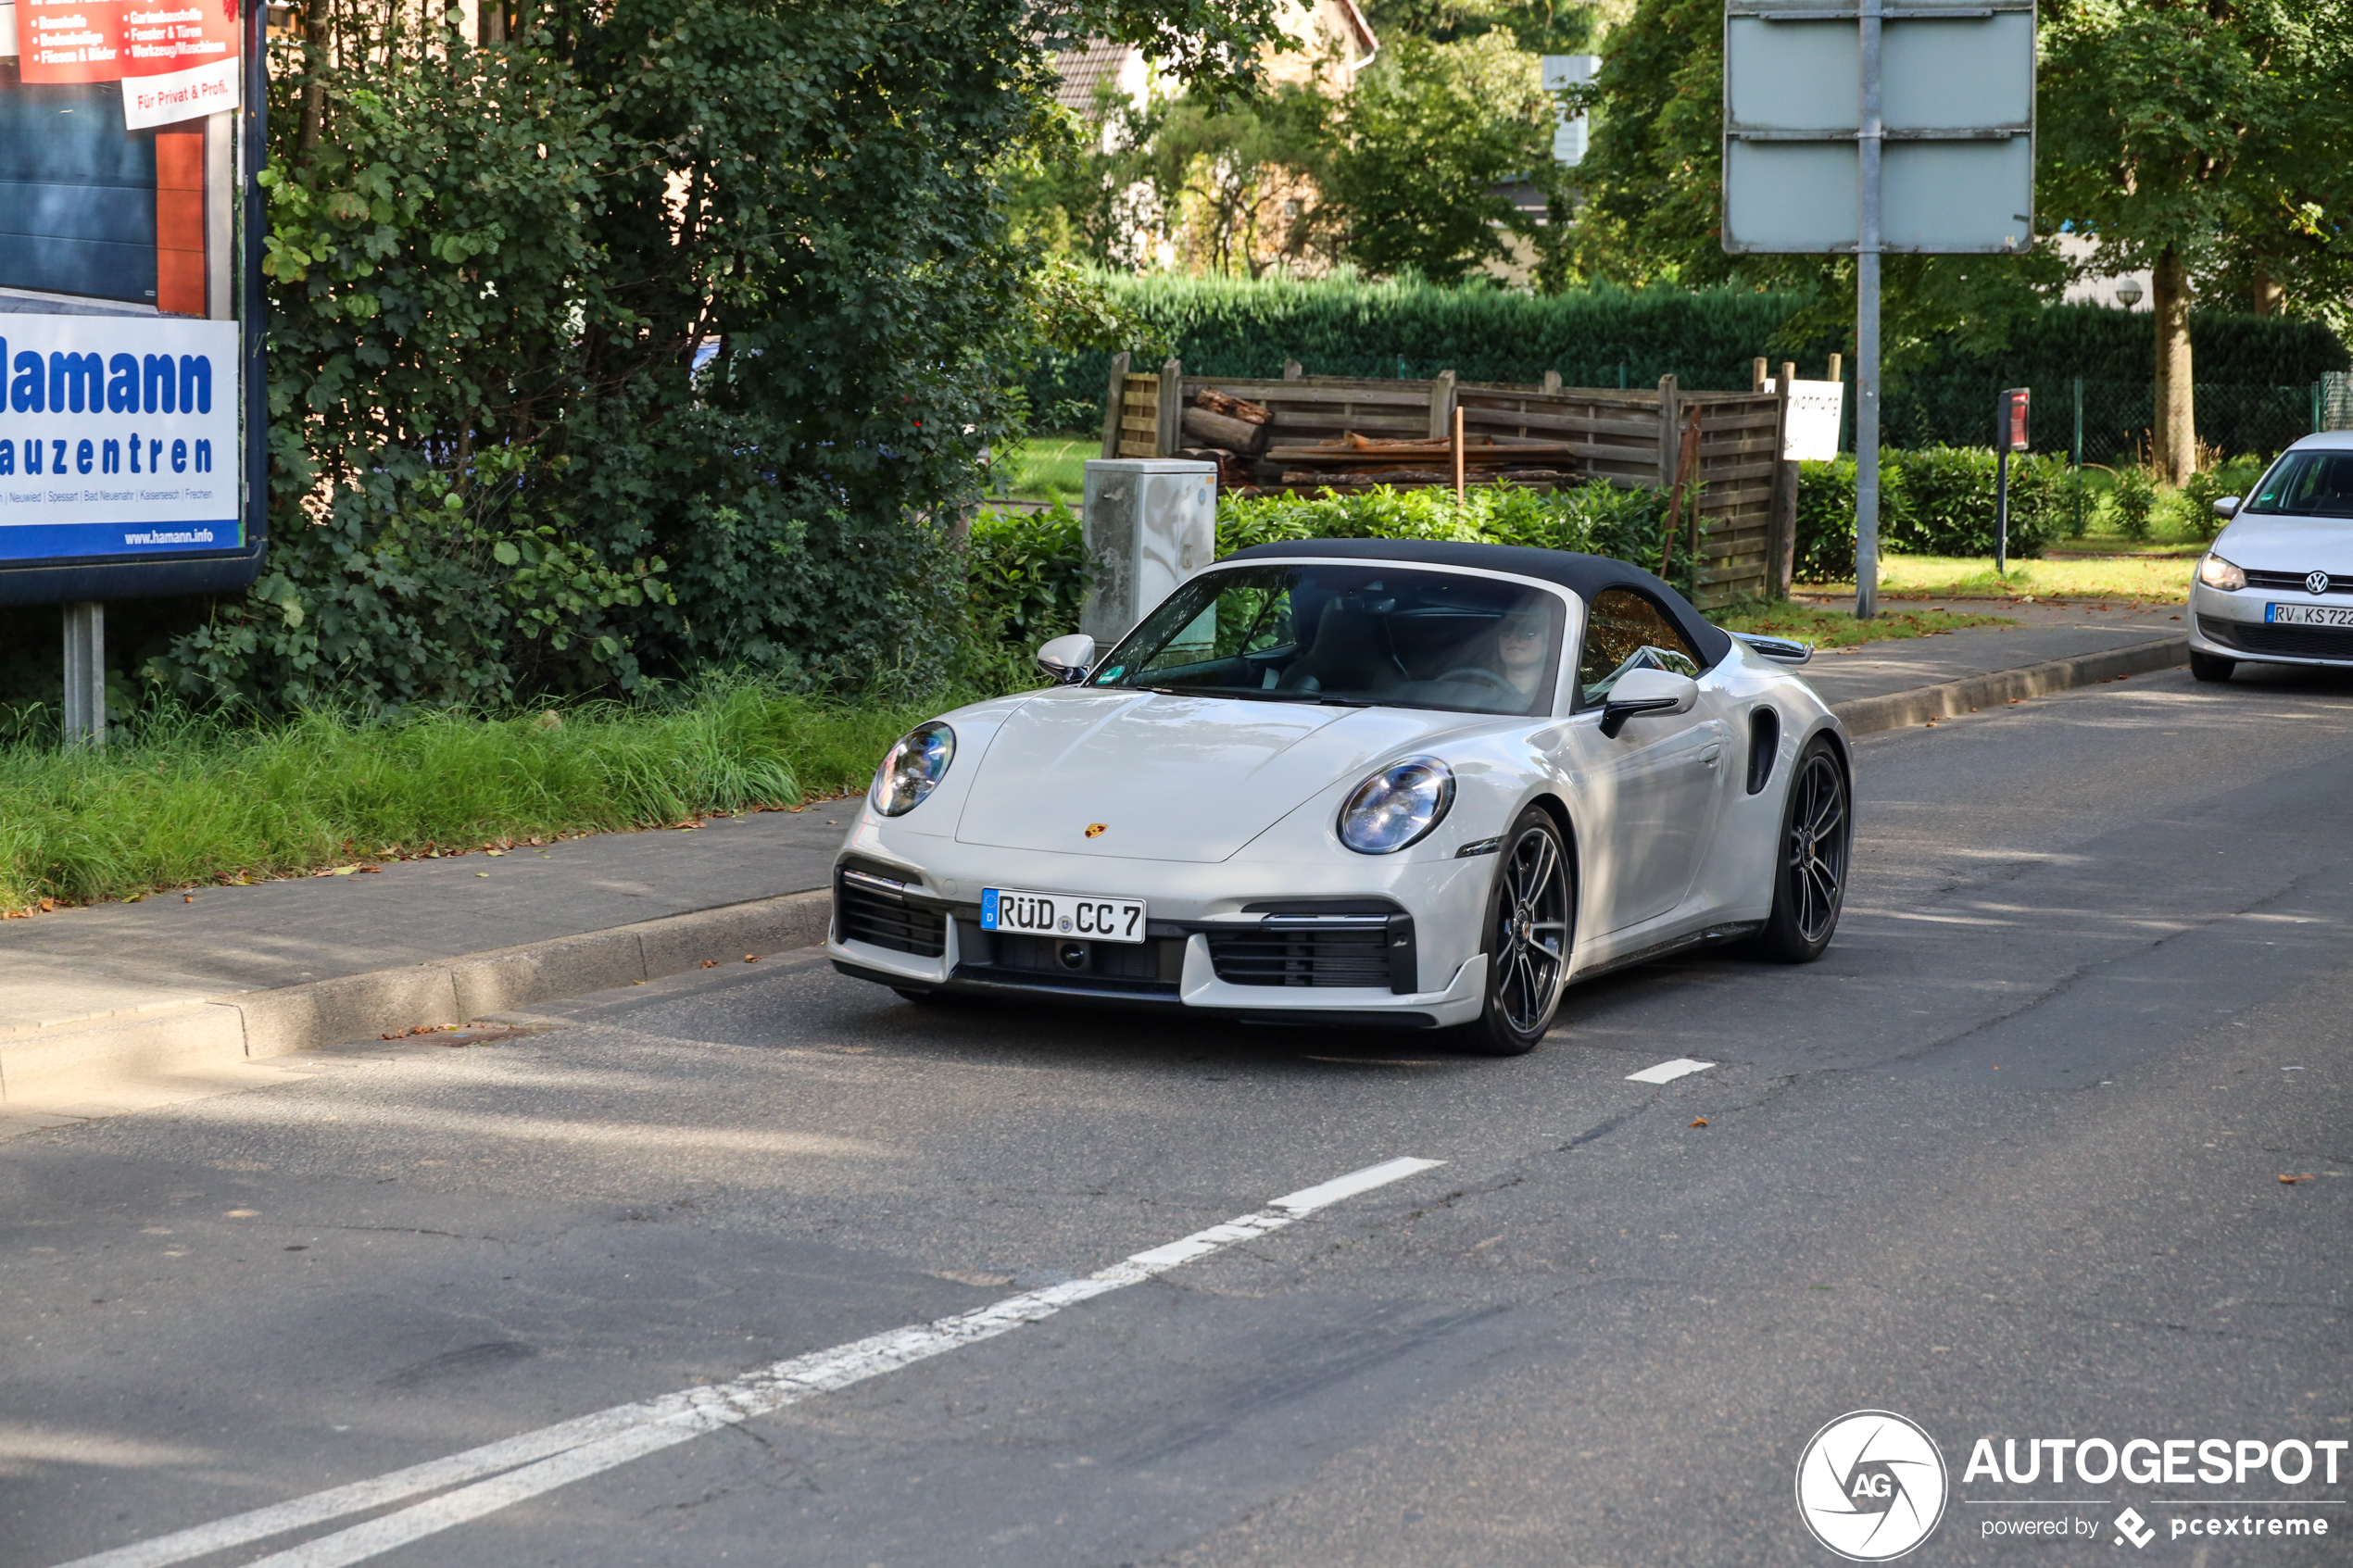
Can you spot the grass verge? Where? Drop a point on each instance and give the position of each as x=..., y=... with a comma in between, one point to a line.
x=1839, y=629
x=190, y=801
x=2130, y=578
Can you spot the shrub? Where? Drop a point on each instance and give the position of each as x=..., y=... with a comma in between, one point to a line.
x=1026, y=574
x=2201, y=490
x=2131, y=500
x=1825, y=547
x=1949, y=511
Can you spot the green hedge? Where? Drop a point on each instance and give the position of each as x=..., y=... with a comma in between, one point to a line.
x=1935, y=501
x=1028, y=570
x=1408, y=329
x=1348, y=327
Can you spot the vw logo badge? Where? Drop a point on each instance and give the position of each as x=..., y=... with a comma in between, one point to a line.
x=2316, y=583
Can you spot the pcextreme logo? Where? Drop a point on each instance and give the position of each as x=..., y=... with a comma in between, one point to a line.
x=1871, y=1486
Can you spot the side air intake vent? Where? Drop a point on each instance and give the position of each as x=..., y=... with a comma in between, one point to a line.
x=1763, y=746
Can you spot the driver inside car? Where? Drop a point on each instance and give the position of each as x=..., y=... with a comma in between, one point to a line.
x=1520, y=647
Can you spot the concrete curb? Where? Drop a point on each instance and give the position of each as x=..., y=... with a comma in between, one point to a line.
x=1895, y=710
x=202, y=1036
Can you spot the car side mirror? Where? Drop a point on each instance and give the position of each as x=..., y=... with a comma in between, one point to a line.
x=1639, y=691
x=2227, y=508
x=1066, y=659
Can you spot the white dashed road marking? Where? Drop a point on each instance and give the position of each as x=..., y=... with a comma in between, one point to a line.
x=1667, y=1071
x=497, y=1475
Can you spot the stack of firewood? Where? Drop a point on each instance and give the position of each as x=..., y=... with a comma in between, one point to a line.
x=1227, y=431
x=1365, y=460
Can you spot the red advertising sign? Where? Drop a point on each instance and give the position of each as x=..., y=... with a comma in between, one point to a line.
x=2014, y=431
x=70, y=40
x=176, y=62
x=180, y=61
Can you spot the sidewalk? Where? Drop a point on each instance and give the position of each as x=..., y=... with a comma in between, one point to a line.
x=108, y=1009
x=101, y=1003
x=1887, y=685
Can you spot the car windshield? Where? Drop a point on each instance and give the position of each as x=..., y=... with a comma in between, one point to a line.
x=1360, y=636
x=2306, y=485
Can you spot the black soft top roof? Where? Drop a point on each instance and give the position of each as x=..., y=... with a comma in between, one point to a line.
x=1582, y=575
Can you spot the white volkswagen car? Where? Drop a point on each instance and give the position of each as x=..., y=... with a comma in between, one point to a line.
x=2277, y=585
x=1361, y=782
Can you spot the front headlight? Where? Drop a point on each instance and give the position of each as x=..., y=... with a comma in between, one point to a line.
x=2216, y=573
x=1397, y=806
x=912, y=768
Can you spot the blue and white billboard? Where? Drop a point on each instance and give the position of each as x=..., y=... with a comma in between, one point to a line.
x=132, y=408
x=119, y=437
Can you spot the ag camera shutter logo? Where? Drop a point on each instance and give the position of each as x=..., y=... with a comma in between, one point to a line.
x=1871, y=1486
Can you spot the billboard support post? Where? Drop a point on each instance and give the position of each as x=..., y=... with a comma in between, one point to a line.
x=85, y=709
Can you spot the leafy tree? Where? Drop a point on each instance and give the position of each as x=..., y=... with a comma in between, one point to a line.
x=1420, y=147
x=1539, y=27
x=666, y=333
x=2200, y=140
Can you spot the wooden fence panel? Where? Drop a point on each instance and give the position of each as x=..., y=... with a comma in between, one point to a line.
x=1620, y=437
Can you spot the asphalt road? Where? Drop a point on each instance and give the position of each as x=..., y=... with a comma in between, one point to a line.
x=2006, y=1162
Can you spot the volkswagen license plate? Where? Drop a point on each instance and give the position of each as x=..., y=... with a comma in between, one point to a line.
x=1062, y=914
x=2308, y=615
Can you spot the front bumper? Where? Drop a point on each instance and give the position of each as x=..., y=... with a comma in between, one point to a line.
x=1263, y=943
x=2231, y=625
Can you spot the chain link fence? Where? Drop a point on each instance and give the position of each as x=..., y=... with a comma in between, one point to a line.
x=2104, y=421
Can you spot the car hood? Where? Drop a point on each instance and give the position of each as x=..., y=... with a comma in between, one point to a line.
x=2289, y=544
x=1170, y=778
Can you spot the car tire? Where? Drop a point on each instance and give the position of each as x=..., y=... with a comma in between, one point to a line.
x=1811, y=859
x=2210, y=666
x=1528, y=935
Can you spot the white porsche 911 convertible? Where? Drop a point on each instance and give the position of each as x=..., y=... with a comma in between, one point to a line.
x=1360, y=783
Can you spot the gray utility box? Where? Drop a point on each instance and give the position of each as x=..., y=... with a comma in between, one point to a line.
x=1150, y=523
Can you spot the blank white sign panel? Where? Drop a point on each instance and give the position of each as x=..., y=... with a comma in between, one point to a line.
x=1956, y=196
x=1794, y=76
x=1791, y=196
x=1952, y=75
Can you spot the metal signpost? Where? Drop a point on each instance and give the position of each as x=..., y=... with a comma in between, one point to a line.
x=1866, y=127
x=132, y=407
x=2009, y=435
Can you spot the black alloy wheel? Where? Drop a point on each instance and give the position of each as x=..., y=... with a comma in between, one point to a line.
x=1531, y=919
x=1809, y=872
x=2210, y=666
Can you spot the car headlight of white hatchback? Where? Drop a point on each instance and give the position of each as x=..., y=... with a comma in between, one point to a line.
x=1397, y=807
x=2216, y=573
x=912, y=768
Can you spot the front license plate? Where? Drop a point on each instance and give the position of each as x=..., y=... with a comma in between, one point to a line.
x=2308, y=615
x=1062, y=914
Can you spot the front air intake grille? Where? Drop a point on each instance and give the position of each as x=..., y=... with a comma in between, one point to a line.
x=1155, y=961
x=866, y=911
x=2292, y=642
x=1354, y=955
x=2296, y=582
